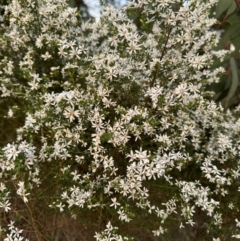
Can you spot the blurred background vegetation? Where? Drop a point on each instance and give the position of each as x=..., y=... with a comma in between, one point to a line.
x=227, y=92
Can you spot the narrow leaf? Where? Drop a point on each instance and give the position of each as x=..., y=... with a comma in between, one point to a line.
x=231, y=8
x=234, y=85
x=223, y=5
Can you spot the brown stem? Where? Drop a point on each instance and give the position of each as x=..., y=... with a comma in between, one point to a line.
x=165, y=45
x=37, y=232
x=162, y=55
x=238, y=4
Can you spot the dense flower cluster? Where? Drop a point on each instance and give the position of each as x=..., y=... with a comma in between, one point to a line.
x=117, y=118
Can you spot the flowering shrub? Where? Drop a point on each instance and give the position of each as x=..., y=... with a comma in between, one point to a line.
x=118, y=128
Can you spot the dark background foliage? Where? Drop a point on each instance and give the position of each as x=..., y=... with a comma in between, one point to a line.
x=227, y=90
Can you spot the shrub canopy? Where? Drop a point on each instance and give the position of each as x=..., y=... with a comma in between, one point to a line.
x=117, y=122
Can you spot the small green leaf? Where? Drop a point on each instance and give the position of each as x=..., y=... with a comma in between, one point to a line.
x=106, y=137
x=133, y=13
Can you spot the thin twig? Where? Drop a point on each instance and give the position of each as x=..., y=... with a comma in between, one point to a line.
x=165, y=45
x=37, y=232
x=238, y=4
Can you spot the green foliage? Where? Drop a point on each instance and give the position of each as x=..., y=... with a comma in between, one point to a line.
x=225, y=7
x=228, y=89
